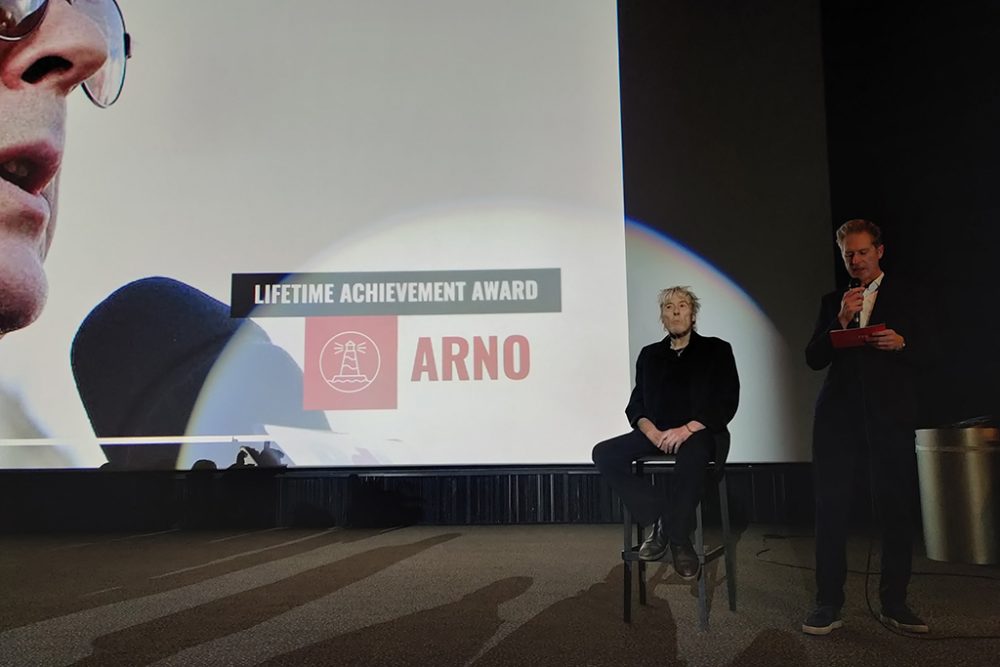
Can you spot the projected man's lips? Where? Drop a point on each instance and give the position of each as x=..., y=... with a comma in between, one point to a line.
x=28, y=185
x=26, y=171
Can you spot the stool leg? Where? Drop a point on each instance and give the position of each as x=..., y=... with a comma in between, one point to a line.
x=627, y=607
x=700, y=548
x=640, y=533
x=626, y=547
x=642, y=582
x=727, y=544
x=641, y=565
x=627, y=524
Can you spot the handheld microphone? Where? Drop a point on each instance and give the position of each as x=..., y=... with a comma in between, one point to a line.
x=161, y=358
x=856, y=320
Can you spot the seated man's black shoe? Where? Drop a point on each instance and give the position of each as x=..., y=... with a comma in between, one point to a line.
x=822, y=620
x=686, y=563
x=900, y=616
x=655, y=545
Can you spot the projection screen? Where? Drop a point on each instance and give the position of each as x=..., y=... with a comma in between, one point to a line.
x=447, y=174
x=371, y=234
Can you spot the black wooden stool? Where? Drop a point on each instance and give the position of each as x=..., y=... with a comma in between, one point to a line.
x=630, y=551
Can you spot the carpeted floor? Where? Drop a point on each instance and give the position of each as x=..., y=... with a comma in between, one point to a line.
x=481, y=595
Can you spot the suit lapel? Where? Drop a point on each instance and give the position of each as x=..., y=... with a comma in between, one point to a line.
x=880, y=308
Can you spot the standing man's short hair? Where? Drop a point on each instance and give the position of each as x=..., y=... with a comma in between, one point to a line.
x=857, y=226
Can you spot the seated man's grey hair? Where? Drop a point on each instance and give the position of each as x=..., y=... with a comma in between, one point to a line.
x=683, y=291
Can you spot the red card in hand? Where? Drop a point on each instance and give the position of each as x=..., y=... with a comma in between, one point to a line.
x=853, y=337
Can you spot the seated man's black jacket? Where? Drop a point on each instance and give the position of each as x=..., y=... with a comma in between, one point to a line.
x=715, y=386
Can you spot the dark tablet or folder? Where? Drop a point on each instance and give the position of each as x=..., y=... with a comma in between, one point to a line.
x=853, y=337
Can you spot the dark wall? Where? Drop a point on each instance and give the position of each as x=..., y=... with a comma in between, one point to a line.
x=724, y=150
x=724, y=141
x=750, y=131
x=913, y=118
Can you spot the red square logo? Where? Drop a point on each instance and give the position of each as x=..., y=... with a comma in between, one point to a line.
x=350, y=363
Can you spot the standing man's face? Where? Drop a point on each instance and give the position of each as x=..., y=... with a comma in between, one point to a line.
x=861, y=256
x=36, y=75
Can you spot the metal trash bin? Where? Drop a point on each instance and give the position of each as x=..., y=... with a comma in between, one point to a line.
x=959, y=472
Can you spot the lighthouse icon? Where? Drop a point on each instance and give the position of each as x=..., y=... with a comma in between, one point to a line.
x=350, y=361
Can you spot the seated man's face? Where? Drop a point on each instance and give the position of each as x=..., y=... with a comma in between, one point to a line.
x=36, y=75
x=676, y=315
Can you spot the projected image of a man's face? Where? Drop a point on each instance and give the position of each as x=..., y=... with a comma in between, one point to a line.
x=37, y=72
x=676, y=315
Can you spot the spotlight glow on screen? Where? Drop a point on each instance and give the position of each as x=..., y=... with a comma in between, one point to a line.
x=764, y=427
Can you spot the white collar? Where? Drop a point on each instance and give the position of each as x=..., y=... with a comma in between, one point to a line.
x=875, y=284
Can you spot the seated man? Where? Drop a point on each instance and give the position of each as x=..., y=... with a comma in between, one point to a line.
x=686, y=392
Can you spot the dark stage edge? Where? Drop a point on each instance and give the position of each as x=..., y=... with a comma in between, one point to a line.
x=264, y=498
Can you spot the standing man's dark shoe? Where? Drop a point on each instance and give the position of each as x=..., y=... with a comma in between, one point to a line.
x=655, y=545
x=686, y=563
x=900, y=616
x=823, y=620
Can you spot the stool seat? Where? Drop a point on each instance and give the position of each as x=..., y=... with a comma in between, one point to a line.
x=630, y=548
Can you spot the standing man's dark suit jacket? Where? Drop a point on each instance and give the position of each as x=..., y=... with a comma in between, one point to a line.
x=884, y=381
x=715, y=387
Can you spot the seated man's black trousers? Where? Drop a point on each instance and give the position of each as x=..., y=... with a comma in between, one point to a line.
x=647, y=503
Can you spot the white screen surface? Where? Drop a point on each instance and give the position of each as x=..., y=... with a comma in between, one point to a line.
x=341, y=136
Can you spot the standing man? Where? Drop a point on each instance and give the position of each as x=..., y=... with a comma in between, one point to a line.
x=48, y=48
x=864, y=424
x=686, y=392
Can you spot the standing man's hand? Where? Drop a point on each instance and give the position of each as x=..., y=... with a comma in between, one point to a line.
x=851, y=305
x=886, y=340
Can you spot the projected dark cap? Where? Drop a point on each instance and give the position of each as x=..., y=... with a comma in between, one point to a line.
x=142, y=356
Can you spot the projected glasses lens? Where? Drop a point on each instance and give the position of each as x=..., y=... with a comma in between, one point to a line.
x=19, y=17
x=104, y=87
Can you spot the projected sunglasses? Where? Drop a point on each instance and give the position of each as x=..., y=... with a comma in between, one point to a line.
x=19, y=17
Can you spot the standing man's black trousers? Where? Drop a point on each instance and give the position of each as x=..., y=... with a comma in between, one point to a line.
x=647, y=503
x=839, y=453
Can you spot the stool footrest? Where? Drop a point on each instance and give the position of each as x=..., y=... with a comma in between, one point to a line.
x=633, y=556
x=715, y=552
